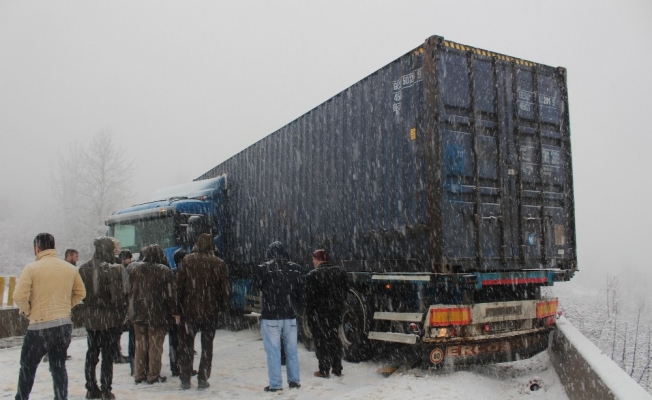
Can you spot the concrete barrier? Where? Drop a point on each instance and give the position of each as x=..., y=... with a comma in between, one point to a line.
x=11, y=323
x=586, y=372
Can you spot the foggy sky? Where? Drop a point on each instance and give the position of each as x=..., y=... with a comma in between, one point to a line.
x=184, y=85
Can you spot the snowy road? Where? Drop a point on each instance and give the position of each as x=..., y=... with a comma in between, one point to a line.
x=240, y=372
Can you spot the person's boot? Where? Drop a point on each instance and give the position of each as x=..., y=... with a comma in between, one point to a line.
x=158, y=379
x=320, y=374
x=94, y=393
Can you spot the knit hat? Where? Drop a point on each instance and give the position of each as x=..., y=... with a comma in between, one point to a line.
x=320, y=255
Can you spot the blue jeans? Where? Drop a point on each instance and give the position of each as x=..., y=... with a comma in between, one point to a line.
x=273, y=331
x=36, y=344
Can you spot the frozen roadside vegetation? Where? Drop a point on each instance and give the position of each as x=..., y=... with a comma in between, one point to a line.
x=240, y=372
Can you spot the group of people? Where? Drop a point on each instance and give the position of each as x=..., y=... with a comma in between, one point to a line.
x=151, y=300
x=282, y=291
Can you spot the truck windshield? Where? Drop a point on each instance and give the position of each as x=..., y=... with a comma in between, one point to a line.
x=133, y=235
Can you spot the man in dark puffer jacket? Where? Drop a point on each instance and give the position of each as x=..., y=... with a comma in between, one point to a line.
x=279, y=282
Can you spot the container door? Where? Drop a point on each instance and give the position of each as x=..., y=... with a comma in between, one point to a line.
x=543, y=223
x=473, y=162
x=507, y=198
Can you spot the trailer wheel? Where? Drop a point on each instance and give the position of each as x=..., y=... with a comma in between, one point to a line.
x=355, y=326
x=305, y=335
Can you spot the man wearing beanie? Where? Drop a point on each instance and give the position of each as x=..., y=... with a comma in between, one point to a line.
x=326, y=288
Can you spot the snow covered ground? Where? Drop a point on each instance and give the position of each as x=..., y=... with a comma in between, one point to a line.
x=240, y=372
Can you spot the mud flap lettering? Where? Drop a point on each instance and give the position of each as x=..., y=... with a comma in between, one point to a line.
x=474, y=350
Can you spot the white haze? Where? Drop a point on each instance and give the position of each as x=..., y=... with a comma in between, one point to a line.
x=184, y=85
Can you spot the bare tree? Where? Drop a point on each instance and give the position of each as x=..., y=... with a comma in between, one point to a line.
x=638, y=322
x=104, y=178
x=66, y=184
x=89, y=183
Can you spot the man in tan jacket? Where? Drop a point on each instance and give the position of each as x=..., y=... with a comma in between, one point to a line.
x=45, y=293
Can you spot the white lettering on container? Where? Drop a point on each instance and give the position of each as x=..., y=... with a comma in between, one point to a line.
x=404, y=82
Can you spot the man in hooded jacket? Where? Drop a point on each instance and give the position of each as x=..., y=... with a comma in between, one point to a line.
x=280, y=285
x=102, y=314
x=153, y=304
x=204, y=293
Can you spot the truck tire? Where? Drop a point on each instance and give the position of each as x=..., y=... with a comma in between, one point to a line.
x=305, y=336
x=356, y=322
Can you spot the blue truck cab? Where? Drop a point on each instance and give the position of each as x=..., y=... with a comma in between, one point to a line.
x=173, y=218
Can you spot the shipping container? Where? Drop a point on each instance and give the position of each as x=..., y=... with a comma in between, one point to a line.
x=449, y=159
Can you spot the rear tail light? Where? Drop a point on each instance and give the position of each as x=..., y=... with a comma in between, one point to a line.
x=447, y=316
x=547, y=308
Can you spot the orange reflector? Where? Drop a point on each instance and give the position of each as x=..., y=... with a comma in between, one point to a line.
x=547, y=308
x=445, y=316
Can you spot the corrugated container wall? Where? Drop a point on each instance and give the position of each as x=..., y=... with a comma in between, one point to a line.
x=448, y=159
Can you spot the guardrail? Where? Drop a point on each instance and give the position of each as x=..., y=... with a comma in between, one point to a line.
x=586, y=372
x=10, y=294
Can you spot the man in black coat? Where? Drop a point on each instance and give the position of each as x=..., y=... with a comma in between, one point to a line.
x=326, y=288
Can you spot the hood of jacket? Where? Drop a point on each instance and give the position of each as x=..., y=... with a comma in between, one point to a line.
x=154, y=254
x=104, y=249
x=204, y=244
x=276, y=251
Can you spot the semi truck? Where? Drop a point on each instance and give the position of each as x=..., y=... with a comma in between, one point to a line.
x=442, y=183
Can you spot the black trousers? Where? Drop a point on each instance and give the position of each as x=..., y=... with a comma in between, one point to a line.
x=187, y=331
x=106, y=343
x=36, y=344
x=328, y=345
x=131, y=350
x=173, y=345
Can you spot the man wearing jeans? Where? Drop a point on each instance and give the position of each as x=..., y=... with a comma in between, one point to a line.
x=45, y=293
x=279, y=282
